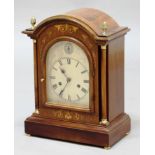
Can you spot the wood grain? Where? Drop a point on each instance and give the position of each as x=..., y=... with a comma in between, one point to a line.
x=82, y=39
x=82, y=27
x=115, y=78
x=74, y=132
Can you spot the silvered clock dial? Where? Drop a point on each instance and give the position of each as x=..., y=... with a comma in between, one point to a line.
x=67, y=71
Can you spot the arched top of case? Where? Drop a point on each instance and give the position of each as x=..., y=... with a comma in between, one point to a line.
x=88, y=18
x=94, y=18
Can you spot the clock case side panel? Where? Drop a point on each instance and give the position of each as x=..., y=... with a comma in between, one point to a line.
x=48, y=34
x=115, y=78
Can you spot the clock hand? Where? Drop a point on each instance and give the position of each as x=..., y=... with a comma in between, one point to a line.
x=63, y=72
x=68, y=80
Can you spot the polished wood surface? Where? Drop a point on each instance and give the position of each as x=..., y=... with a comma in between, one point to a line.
x=65, y=31
x=35, y=75
x=82, y=27
x=74, y=132
x=89, y=19
x=115, y=78
x=94, y=19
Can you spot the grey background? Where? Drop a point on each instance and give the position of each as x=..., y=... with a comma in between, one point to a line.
x=126, y=13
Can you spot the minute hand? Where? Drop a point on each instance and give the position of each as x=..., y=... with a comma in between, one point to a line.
x=68, y=80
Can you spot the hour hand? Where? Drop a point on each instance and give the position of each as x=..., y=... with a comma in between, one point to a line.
x=63, y=72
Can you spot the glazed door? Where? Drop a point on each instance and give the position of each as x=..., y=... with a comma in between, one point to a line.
x=68, y=73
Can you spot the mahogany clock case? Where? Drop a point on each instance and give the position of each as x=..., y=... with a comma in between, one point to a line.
x=104, y=122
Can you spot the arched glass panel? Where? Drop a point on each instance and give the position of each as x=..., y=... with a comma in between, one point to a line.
x=67, y=75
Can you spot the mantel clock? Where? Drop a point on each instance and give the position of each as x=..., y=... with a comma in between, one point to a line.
x=79, y=78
